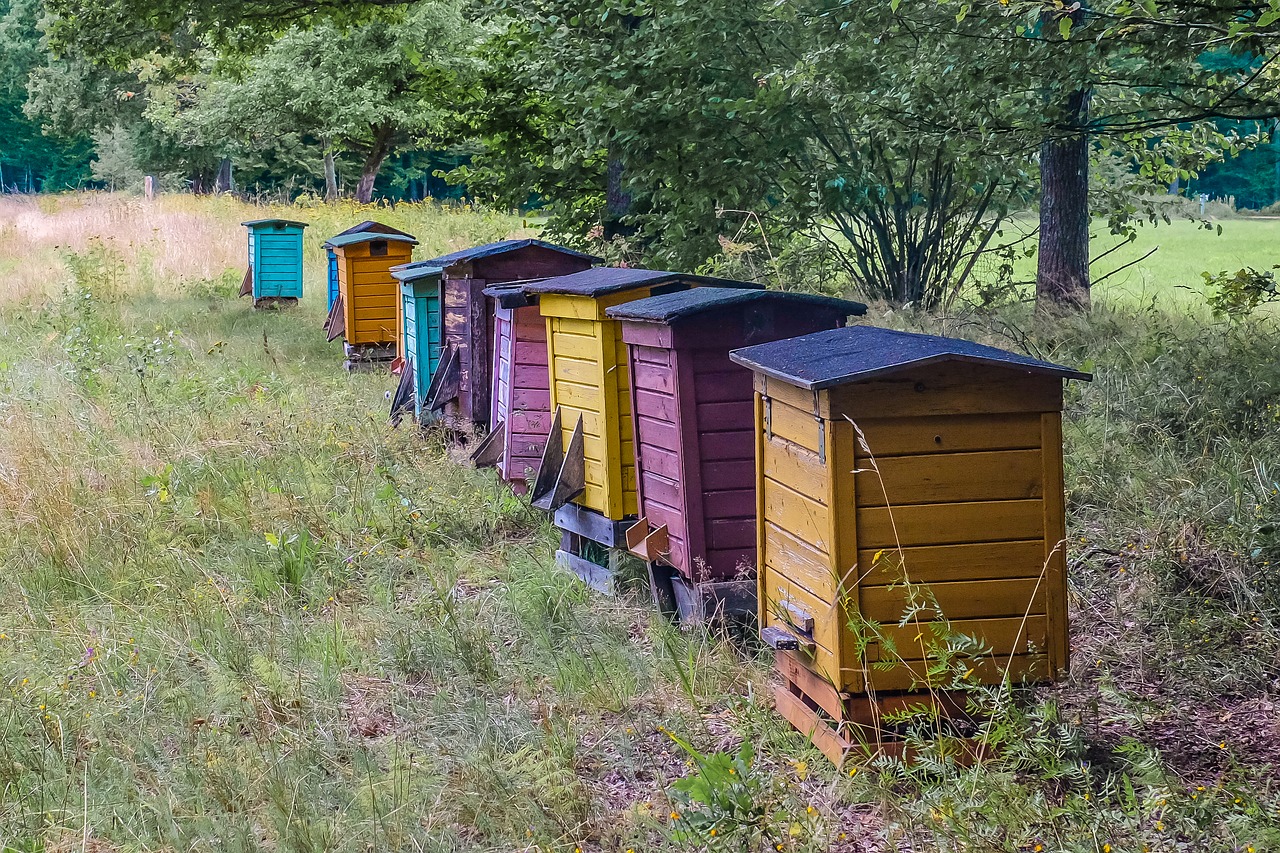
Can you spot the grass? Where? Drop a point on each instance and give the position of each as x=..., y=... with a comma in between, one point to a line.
x=239, y=612
x=1182, y=251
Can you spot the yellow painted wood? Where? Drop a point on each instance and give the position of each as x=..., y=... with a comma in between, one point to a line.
x=1055, y=545
x=788, y=462
x=779, y=590
x=947, y=524
x=799, y=560
x=913, y=675
x=761, y=571
x=959, y=600
x=1007, y=636
x=802, y=516
x=797, y=426
x=947, y=389
x=949, y=434
x=933, y=563
x=370, y=296
x=951, y=478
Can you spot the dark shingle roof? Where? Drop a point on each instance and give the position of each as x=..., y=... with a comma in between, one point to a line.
x=838, y=356
x=371, y=227
x=350, y=239
x=513, y=294
x=670, y=307
x=253, y=222
x=416, y=270
x=601, y=281
x=488, y=249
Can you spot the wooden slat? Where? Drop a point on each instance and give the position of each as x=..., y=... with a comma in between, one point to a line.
x=959, y=600
x=929, y=564
x=1005, y=636
x=1055, y=559
x=800, y=515
x=828, y=618
x=949, y=434
x=794, y=425
x=798, y=467
x=948, y=524
x=948, y=389
x=952, y=478
x=913, y=674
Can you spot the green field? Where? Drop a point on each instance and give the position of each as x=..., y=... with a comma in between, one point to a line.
x=1183, y=250
x=240, y=612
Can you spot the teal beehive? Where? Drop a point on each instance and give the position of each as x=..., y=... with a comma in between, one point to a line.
x=419, y=344
x=275, y=262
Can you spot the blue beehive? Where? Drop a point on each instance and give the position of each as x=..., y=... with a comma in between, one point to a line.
x=419, y=344
x=275, y=261
x=368, y=226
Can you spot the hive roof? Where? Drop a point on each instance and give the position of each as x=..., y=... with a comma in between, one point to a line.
x=670, y=307
x=252, y=222
x=601, y=281
x=502, y=246
x=347, y=238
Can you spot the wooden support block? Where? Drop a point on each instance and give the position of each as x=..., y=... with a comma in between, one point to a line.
x=592, y=525
x=595, y=576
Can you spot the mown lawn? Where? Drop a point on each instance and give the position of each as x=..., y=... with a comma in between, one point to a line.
x=240, y=612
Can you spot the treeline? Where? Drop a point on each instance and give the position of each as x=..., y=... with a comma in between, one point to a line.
x=885, y=144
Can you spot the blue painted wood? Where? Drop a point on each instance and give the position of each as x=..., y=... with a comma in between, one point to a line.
x=333, y=277
x=421, y=304
x=275, y=253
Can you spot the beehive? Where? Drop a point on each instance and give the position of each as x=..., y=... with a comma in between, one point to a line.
x=521, y=408
x=420, y=336
x=904, y=475
x=366, y=227
x=275, y=261
x=590, y=386
x=694, y=434
x=366, y=312
x=466, y=385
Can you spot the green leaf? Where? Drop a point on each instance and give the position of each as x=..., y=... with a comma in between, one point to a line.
x=1064, y=28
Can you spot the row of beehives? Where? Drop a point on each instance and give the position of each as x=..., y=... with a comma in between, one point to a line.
x=884, y=484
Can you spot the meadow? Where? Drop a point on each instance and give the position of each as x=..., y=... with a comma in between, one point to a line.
x=239, y=611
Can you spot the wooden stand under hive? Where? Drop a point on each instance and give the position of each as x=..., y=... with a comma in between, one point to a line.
x=274, y=276
x=909, y=493
x=462, y=386
x=366, y=313
x=695, y=439
x=587, y=476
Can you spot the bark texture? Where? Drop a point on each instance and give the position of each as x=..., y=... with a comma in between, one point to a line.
x=1062, y=276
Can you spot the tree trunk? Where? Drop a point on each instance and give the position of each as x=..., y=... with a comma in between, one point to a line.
x=373, y=162
x=1062, y=277
x=330, y=176
x=617, y=201
x=222, y=182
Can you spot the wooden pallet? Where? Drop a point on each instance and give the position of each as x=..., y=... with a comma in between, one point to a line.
x=858, y=728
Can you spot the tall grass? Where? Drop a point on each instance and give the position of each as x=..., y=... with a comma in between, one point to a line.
x=240, y=612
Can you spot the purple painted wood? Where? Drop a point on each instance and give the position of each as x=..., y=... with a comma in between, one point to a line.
x=527, y=387
x=702, y=483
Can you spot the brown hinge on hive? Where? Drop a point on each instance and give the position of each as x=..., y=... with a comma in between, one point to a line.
x=492, y=449
x=649, y=545
x=336, y=323
x=444, y=385
x=562, y=473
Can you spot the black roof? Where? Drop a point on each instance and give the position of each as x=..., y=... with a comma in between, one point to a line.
x=369, y=226
x=670, y=307
x=601, y=281
x=256, y=222
x=351, y=239
x=839, y=356
x=498, y=248
x=513, y=294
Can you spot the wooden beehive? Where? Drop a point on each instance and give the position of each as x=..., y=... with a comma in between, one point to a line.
x=521, y=406
x=420, y=336
x=591, y=485
x=366, y=227
x=463, y=392
x=366, y=312
x=904, y=476
x=275, y=261
x=693, y=430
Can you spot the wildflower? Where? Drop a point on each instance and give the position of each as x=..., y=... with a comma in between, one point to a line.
x=1106, y=848
x=1159, y=826
x=852, y=771
x=713, y=831
x=675, y=815
x=809, y=810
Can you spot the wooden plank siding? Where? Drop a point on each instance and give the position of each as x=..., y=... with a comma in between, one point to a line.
x=943, y=507
x=276, y=257
x=370, y=296
x=521, y=389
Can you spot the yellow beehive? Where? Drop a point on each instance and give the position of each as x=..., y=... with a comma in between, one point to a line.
x=588, y=372
x=366, y=309
x=909, y=490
